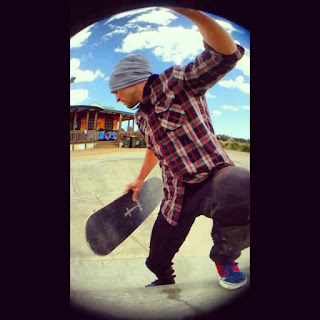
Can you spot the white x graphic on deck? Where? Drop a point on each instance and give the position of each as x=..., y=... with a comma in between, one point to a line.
x=128, y=213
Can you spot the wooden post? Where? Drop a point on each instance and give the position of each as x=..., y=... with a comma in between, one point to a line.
x=87, y=123
x=120, y=121
x=86, y=130
x=75, y=120
x=95, y=126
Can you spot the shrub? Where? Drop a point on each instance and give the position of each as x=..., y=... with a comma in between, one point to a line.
x=234, y=145
x=224, y=144
x=245, y=147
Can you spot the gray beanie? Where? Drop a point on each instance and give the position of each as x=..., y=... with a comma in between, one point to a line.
x=131, y=69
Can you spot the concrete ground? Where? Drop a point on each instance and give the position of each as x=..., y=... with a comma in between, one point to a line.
x=114, y=286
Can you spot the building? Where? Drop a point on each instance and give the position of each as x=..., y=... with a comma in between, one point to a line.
x=94, y=123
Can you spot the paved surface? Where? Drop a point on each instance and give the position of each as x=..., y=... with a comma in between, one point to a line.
x=113, y=286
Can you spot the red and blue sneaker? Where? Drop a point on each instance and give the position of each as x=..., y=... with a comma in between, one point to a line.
x=230, y=275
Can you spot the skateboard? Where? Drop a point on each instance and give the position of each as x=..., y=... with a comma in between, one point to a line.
x=111, y=225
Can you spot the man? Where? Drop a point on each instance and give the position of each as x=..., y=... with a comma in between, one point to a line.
x=199, y=177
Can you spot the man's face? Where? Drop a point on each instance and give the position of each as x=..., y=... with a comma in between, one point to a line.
x=128, y=96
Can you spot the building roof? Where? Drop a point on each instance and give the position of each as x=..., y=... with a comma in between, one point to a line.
x=101, y=109
x=95, y=104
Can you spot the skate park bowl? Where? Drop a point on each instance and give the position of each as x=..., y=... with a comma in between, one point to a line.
x=113, y=286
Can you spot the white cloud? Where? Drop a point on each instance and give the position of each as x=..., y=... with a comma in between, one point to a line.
x=162, y=17
x=143, y=28
x=216, y=113
x=235, y=108
x=170, y=44
x=209, y=95
x=231, y=108
x=117, y=30
x=83, y=75
x=228, y=26
x=238, y=83
x=98, y=73
x=78, y=95
x=128, y=14
x=79, y=39
x=126, y=29
x=244, y=64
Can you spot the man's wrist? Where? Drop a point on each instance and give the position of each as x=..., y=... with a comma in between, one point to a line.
x=140, y=178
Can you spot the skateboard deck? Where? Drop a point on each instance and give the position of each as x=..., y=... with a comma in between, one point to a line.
x=111, y=225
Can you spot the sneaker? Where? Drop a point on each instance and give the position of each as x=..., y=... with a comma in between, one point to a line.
x=160, y=282
x=230, y=275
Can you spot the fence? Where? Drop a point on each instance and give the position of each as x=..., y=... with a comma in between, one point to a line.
x=80, y=136
x=77, y=136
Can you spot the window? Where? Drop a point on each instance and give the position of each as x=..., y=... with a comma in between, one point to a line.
x=109, y=124
x=78, y=122
x=91, y=121
x=71, y=121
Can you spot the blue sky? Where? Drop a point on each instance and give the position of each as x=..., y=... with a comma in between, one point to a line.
x=165, y=38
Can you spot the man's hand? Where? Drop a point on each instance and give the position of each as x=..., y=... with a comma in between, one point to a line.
x=150, y=160
x=135, y=186
x=212, y=32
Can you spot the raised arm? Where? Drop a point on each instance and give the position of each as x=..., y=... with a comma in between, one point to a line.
x=213, y=34
x=149, y=163
x=220, y=56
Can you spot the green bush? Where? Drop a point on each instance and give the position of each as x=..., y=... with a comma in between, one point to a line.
x=234, y=145
x=224, y=144
x=245, y=147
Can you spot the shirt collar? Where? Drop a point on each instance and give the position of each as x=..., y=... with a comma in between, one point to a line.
x=146, y=95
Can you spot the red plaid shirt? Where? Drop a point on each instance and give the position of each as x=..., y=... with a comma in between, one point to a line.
x=175, y=121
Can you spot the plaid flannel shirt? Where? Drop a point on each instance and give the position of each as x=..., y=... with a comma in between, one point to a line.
x=175, y=121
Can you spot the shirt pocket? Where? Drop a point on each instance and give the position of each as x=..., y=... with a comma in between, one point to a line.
x=170, y=117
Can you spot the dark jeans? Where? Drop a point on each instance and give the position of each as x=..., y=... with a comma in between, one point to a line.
x=224, y=197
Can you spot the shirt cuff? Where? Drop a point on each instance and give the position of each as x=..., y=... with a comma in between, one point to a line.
x=238, y=54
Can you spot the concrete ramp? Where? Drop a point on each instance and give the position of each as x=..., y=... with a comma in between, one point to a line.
x=112, y=287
